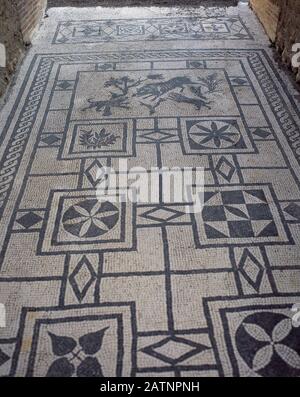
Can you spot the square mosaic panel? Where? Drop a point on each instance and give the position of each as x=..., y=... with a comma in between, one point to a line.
x=238, y=215
x=257, y=339
x=76, y=341
x=215, y=135
x=99, y=139
x=77, y=221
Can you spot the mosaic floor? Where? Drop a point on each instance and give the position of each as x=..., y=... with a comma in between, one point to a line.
x=149, y=290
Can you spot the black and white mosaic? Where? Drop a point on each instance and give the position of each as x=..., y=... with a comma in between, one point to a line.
x=152, y=29
x=106, y=288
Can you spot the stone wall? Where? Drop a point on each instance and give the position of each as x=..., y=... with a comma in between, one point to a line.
x=281, y=21
x=11, y=37
x=144, y=3
x=18, y=20
x=268, y=11
x=288, y=31
x=30, y=13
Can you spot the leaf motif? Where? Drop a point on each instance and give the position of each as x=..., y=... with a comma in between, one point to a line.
x=82, y=211
x=75, y=221
x=223, y=129
x=281, y=330
x=236, y=211
x=91, y=343
x=61, y=368
x=85, y=227
x=262, y=358
x=100, y=224
x=61, y=345
x=290, y=356
x=96, y=208
x=89, y=367
x=257, y=332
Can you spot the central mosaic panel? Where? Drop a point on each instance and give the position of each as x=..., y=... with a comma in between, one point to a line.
x=215, y=122
x=152, y=93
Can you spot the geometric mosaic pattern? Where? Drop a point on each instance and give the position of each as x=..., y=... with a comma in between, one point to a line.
x=103, y=288
x=152, y=29
x=83, y=223
x=243, y=214
x=262, y=337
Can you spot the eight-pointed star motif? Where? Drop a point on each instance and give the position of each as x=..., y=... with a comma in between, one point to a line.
x=215, y=134
x=90, y=218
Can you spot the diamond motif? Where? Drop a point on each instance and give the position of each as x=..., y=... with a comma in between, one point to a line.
x=239, y=81
x=225, y=169
x=64, y=84
x=162, y=214
x=261, y=132
x=95, y=173
x=29, y=219
x=157, y=136
x=251, y=269
x=82, y=278
x=50, y=139
x=173, y=350
x=197, y=64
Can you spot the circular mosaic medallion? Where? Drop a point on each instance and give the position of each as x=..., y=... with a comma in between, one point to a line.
x=215, y=134
x=90, y=218
x=269, y=344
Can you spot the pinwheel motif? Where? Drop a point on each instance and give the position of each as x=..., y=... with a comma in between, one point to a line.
x=90, y=218
x=269, y=344
x=215, y=134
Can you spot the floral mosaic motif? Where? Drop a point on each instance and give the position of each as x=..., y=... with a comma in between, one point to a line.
x=123, y=84
x=154, y=90
x=215, y=134
x=90, y=218
x=269, y=344
x=210, y=83
x=97, y=139
x=76, y=357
